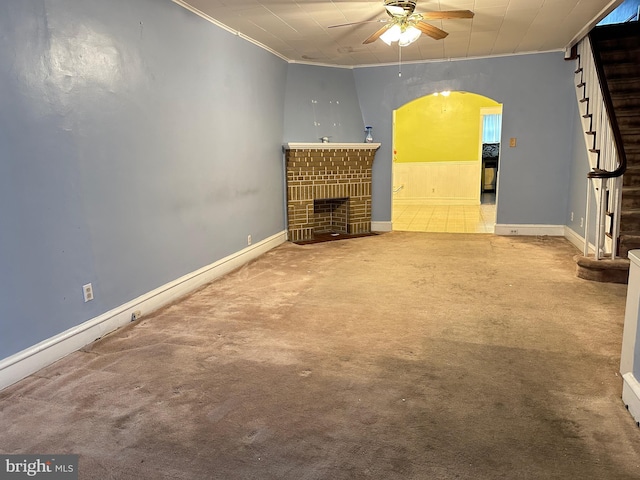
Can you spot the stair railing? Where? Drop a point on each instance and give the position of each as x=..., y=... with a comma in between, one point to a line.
x=606, y=155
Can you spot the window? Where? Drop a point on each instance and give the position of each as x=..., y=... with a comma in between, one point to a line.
x=491, y=128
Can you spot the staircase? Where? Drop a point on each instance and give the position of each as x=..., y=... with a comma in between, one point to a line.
x=614, y=130
x=619, y=50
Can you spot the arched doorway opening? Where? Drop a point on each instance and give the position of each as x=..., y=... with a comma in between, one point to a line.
x=445, y=174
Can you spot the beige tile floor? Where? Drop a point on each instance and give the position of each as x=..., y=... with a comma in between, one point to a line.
x=445, y=218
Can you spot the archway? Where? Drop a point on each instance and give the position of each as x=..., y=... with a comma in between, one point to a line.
x=441, y=182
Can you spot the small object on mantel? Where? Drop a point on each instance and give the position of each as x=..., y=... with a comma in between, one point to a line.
x=369, y=137
x=325, y=139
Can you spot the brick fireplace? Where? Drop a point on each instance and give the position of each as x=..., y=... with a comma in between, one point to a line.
x=328, y=188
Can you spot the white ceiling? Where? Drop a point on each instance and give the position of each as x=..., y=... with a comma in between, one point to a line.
x=297, y=29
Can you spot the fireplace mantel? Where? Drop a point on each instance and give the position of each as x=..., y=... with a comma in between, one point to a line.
x=331, y=146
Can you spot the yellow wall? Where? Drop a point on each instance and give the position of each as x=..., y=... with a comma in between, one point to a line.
x=439, y=128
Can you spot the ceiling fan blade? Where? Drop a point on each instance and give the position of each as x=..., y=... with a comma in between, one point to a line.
x=434, y=32
x=377, y=34
x=357, y=23
x=447, y=14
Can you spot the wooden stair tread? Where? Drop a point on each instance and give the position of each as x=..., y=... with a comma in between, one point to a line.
x=630, y=211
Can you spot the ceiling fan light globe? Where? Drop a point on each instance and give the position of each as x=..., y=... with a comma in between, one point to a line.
x=410, y=35
x=391, y=35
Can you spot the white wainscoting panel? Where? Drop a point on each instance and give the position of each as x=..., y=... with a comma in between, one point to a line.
x=437, y=183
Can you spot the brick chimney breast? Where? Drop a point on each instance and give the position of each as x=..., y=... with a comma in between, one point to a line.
x=328, y=188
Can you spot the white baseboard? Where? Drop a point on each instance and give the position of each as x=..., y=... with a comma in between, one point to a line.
x=381, y=227
x=32, y=359
x=631, y=395
x=528, y=229
x=576, y=239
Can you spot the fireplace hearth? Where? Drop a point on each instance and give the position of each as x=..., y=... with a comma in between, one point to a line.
x=328, y=189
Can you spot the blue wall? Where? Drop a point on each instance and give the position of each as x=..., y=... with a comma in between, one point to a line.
x=322, y=101
x=138, y=143
x=538, y=98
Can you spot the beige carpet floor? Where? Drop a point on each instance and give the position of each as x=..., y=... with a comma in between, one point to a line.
x=399, y=356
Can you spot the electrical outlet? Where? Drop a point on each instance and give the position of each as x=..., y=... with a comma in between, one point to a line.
x=87, y=292
x=581, y=222
x=136, y=315
x=572, y=216
x=248, y=239
x=513, y=232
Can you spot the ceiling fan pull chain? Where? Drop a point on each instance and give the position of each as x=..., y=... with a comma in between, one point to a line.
x=399, y=61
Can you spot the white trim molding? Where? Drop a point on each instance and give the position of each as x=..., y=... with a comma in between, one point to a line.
x=529, y=229
x=209, y=18
x=32, y=359
x=381, y=227
x=631, y=395
x=576, y=239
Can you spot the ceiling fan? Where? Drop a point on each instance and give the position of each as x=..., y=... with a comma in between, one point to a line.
x=405, y=26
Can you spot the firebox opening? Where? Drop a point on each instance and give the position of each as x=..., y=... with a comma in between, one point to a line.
x=331, y=215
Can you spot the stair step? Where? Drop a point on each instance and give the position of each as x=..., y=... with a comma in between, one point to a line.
x=623, y=86
x=605, y=270
x=630, y=135
x=632, y=150
x=630, y=198
x=616, y=37
x=626, y=70
x=630, y=220
x=622, y=56
x=630, y=98
x=628, y=241
x=631, y=177
x=627, y=109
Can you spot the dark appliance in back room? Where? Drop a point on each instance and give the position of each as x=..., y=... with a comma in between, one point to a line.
x=490, y=155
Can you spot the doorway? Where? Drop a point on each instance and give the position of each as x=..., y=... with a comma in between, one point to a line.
x=440, y=182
